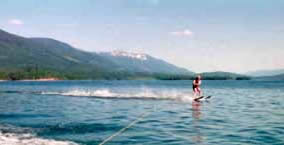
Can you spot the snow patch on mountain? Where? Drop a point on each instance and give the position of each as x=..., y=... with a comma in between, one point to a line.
x=133, y=55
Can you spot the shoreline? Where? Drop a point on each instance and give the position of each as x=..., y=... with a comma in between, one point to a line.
x=43, y=79
x=36, y=80
x=55, y=79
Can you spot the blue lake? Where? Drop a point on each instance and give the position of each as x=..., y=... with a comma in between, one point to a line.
x=88, y=112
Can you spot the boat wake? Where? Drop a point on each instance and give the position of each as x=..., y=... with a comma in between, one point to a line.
x=17, y=136
x=183, y=96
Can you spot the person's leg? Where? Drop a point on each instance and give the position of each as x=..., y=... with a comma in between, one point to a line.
x=199, y=92
x=194, y=92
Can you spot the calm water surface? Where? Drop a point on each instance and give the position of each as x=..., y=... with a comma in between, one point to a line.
x=87, y=112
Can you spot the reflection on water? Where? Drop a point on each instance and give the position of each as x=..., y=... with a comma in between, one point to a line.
x=196, y=115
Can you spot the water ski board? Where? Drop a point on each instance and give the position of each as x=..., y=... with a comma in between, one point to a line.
x=202, y=97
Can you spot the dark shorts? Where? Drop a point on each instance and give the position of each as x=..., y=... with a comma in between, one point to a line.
x=195, y=87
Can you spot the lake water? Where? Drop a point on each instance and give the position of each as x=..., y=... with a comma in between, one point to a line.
x=162, y=112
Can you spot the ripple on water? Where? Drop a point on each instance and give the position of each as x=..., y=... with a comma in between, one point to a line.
x=241, y=112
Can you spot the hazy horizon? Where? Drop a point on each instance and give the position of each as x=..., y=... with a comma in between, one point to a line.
x=208, y=35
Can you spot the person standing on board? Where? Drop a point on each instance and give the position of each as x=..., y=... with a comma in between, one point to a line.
x=196, y=86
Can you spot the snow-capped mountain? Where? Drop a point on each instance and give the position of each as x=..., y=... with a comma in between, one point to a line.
x=50, y=55
x=139, y=62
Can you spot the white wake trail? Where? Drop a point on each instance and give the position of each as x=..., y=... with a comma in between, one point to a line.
x=28, y=139
x=162, y=94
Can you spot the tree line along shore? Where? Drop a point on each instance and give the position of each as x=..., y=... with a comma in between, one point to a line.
x=45, y=74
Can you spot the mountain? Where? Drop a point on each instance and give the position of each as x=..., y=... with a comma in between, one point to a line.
x=25, y=58
x=139, y=62
x=275, y=77
x=18, y=53
x=260, y=73
x=219, y=75
x=33, y=58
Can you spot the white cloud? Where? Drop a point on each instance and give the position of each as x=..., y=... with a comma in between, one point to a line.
x=185, y=32
x=15, y=22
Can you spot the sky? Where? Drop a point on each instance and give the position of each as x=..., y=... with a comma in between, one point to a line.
x=200, y=35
